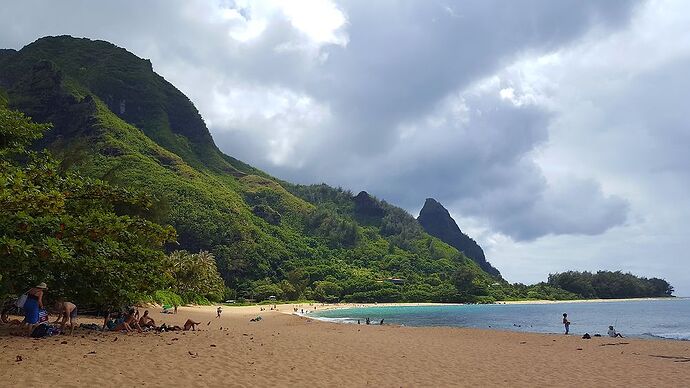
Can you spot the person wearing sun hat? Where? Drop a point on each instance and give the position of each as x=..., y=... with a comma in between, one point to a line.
x=34, y=304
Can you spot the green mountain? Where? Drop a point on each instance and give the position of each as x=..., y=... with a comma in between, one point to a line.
x=436, y=220
x=115, y=119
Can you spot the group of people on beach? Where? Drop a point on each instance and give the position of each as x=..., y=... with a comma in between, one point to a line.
x=36, y=314
x=132, y=320
x=611, y=332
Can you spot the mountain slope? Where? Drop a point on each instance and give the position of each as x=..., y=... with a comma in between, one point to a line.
x=117, y=120
x=436, y=220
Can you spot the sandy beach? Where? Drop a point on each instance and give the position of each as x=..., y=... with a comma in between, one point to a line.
x=288, y=350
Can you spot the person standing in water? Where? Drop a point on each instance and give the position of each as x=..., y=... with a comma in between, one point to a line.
x=566, y=323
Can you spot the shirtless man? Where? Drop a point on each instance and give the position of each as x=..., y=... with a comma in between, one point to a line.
x=146, y=321
x=68, y=312
x=130, y=323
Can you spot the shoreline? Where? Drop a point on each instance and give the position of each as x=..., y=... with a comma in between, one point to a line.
x=284, y=349
x=340, y=306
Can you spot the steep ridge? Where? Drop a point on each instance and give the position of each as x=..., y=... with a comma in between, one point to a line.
x=436, y=220
x=117, y=120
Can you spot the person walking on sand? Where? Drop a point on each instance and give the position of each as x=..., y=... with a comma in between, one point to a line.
x=219, y=310
x=566, y=323
x=33, y=305
x=68, y=312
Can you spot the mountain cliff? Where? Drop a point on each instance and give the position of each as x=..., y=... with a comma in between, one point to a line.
x=115, y=119
x=436, y=220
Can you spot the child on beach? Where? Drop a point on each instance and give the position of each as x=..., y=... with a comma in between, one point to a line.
x=219, y=310
x=566, y=323
x=67, y=311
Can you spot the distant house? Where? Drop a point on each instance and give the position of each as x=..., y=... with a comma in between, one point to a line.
x=396, y=281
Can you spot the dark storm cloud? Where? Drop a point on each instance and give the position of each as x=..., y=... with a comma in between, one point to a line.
x=403, y=57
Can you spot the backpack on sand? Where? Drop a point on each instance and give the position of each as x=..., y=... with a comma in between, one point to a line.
x=40, y=331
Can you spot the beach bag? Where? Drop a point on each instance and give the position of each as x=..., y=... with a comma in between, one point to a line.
x=40, y=331
x=42, y=316
x=21, y=301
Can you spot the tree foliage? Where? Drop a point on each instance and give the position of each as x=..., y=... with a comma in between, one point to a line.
x=608, y=284
x=194, y=276
x=63, y=229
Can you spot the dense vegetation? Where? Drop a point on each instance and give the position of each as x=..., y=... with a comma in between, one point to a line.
x=61, y=228
x=117, y=124
x=607, y=285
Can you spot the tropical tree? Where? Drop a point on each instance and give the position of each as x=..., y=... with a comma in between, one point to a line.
x=194, y=276
x=60, y=228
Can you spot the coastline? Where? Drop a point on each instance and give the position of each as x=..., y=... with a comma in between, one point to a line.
x=588, y=300
x=334, y=306
x=284, y=349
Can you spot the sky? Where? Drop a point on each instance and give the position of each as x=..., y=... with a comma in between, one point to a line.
x=555, y=132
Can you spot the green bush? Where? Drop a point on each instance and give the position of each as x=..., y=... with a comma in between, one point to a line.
x=167, y=297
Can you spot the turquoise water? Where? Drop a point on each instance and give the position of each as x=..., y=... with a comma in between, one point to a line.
x=669, y=318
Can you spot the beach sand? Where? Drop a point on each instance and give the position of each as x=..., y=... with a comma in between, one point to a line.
x=288, y=350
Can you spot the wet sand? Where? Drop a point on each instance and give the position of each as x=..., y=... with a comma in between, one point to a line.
x=288, y=350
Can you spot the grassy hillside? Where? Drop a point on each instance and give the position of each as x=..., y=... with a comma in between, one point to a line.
x=117, y=120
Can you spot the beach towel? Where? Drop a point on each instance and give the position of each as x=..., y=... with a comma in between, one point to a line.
x=42, y=316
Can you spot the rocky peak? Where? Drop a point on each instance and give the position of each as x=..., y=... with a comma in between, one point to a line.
x=437, y=221
x=367, y=206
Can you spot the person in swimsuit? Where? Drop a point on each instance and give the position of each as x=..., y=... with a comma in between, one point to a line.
x=68, y=312
x=33, y=305
x=146, y=321
x=189, y=325
x=130, y=323
x=566, y=323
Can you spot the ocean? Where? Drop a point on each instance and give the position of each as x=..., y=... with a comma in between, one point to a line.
x=667, y=318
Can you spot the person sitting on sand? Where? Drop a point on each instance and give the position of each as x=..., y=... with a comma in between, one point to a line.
x=130, y=323
x=5, y=315
x=190, y=325
x=146, y=320
x=613, y=333
x=566, y=323
x=68, y=312
x=5, y=318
